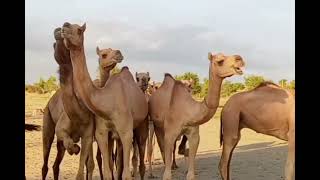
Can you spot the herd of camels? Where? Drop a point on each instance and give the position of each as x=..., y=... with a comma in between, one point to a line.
x=126, y=111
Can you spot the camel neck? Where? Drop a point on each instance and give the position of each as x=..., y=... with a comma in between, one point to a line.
x=81, y=79
x=104, y=76
x=212, y=99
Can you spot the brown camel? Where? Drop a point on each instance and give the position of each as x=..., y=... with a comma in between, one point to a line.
x=55, y=108
x=173, y=110
x=56, y=121
x=120, y=103
x=267, y=109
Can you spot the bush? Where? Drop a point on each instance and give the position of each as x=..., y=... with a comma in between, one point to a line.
x=43, y=86
x=194, y=77
x=229, y=88
x=253, y=81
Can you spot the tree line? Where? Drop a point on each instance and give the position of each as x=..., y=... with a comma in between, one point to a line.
x=200, y=89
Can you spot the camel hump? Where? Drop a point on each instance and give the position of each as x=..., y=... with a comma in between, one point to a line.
x=267, y=83
x=168, y=75
x=124, y=68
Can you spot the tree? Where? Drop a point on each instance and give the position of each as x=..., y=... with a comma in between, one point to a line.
x=292, y=84
x=43, y=86
x=194, y=77
x=204, y=87
x=283, y=83
x=229, y=88
x=252, y=81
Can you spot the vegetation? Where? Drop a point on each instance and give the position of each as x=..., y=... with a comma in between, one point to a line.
x=43, y=86
x=200, y=89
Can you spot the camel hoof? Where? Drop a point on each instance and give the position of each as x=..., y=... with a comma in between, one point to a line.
x=174, y=167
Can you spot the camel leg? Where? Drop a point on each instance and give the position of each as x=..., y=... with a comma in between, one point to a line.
x=90, y=164
x=150, y=146
x=47, y=139
x=141, y=138
x=290, y=164
x=160, y=139
x=169, y=141
x=102, y=140
x=229, y=143
x=134, y=159
x=62, y=126
x=111, y=154
x=119, y=159
x=194, y=139
x=86, y=144
x=99, y=161
x=61, y=150
x=174, y=164
x=126, y=139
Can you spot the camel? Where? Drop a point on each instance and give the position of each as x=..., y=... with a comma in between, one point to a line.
x=267, y=109
x=174, y=112
x=55, y=110
x=68, y=130
x=120, y=103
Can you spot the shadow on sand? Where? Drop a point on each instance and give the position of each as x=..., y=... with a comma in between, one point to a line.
x=260, y=161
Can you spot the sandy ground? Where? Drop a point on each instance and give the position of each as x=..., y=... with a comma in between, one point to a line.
x=257, y=156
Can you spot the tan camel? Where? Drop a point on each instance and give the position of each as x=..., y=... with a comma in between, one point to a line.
x=120, y=103
x=267, y=109
x=108, y=59
x=173, y=110
x=56, y=121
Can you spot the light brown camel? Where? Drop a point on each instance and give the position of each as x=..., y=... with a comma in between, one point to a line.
x=267, y=109
x=68, y=130
x=108, y=59
x=173, y=110
x=120, y=103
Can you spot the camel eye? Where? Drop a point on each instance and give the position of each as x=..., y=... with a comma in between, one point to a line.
x=220, y=63
x=104, y=56
x=148, y=79
x=137, y=79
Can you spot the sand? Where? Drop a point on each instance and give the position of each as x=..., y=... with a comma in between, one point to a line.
x=257, y=156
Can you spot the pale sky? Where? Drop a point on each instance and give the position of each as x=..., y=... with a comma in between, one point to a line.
x=168, y=36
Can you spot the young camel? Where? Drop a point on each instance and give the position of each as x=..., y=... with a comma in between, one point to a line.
x=174, y=111
x=267, y=109
x=55, y=112
x=56, y=121
x=120, y=103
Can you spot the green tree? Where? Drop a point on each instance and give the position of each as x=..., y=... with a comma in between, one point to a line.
x=43, y=86
x=229, y=88
x=292, y=84
x=252, y=81
x=194, y=77
x=204, y=87
x=283, y=83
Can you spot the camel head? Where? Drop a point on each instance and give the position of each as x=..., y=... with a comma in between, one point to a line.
x=108, y=58
x=143, y=80
x=61, y=53
x=226, y=66
x=73, y=35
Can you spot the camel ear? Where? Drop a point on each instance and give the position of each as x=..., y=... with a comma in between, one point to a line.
x=97, y=50
x=209, y=56
x=83, y=27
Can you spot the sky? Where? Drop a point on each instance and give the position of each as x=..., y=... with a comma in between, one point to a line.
x=167, y=36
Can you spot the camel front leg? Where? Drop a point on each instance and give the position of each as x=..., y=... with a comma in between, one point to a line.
x=150, y=146
x=90, y=164
x=290, y=164
x=194, y=139
x=169, y=140
x=126, y=139
x=86, y=144
x=102, y=140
